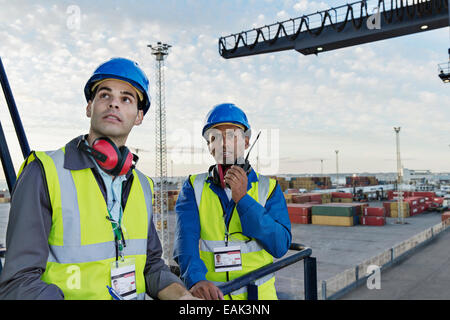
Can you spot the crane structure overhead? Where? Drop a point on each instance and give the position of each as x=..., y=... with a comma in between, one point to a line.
x=344, y=26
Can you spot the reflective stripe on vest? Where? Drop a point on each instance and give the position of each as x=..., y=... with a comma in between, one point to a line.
x=248, y=248
x=74, y=241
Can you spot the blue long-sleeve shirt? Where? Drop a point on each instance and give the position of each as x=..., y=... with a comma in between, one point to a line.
x=270, y=225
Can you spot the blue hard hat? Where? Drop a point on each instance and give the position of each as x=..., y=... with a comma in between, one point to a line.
x=125, y=70
x=226, y=113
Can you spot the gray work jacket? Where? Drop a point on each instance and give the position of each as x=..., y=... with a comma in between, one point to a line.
x=30, y=221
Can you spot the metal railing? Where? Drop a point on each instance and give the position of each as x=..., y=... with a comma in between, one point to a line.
x=248, y=280
x=444, y=67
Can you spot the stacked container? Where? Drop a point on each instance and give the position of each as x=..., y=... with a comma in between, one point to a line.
x=299, y=213
x=341, y=197
x=372, y=216
x=335, y=214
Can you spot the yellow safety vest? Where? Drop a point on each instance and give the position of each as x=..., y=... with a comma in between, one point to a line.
x=81, y=241
x=213, y=232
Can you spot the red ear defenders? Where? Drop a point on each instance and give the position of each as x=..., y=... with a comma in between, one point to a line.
x=113, y=160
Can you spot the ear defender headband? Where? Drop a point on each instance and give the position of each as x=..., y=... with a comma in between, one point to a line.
x=113, y=160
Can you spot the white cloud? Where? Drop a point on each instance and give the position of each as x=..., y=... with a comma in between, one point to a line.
x=308, y=6
x=282, y=15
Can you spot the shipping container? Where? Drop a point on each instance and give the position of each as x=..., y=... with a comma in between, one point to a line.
x=300, y=219
x=373, y=221
x=374, y=212
x=341, y=195
x=333, y=220
x=299, y=209
x=334, y=210
x=445, y=215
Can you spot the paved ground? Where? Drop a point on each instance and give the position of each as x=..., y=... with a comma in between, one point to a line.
x=341, y=248
x=336, y=248
x=423, y=275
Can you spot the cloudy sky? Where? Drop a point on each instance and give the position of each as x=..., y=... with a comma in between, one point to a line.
x=306, y=106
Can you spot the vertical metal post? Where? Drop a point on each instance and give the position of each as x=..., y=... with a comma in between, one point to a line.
x=310, y=278
x=324, y=290
x=13, y=111
x=337, y=169
x=400, y=216
x=252, y=291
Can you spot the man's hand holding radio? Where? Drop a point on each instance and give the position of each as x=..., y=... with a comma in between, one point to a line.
x=236, y=178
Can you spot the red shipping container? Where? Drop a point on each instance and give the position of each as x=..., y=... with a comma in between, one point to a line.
x=425, y=194
x=299, y=209
x=374, y=212
x=300, y=219
x=372, y=221
x=392, y=195
x=413, y=201
x=300, y=198
x=314, y=196
x=445, y=215
x=341, y=195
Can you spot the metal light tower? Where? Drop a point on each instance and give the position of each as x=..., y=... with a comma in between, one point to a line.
x=160, y=51
x=337, y=169
x=400, y=216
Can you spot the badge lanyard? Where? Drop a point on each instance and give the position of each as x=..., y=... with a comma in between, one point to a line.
x=118, y=234
x=229, y=235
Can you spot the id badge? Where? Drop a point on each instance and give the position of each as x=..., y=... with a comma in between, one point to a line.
x=123, y=278
x=227, y=259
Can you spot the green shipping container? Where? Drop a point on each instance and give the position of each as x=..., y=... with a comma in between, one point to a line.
x=329, y=210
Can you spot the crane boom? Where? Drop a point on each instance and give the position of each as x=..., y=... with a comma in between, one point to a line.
x=340, y=27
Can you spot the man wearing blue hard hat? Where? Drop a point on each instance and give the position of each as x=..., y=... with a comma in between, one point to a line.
x=81, y=224
x=231, y=220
